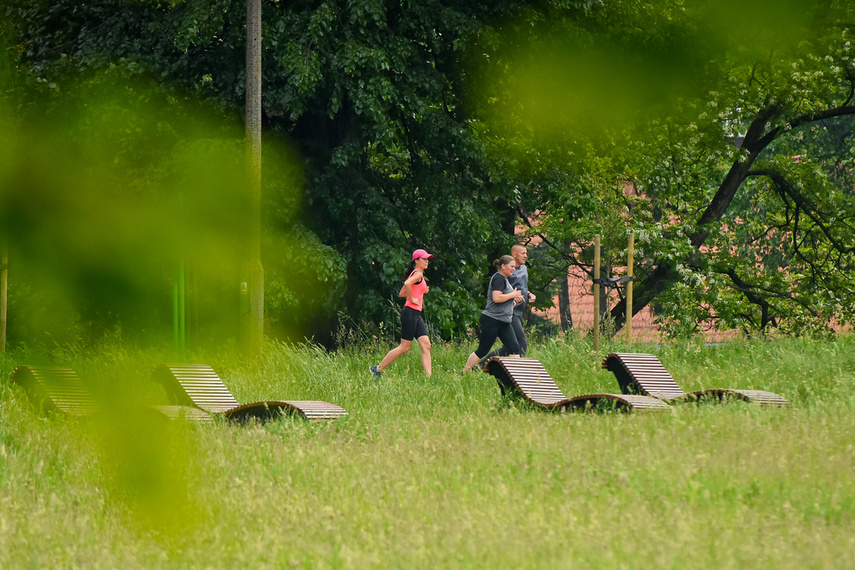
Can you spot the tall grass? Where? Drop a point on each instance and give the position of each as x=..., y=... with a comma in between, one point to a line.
x=440, y=472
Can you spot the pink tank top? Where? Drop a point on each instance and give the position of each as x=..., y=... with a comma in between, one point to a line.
x=418, y=293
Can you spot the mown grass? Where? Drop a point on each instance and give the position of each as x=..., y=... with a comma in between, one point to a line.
x=439, y=472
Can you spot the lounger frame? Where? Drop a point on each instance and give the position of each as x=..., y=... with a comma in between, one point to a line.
x=59, y=390
x=640, y=373
x=528, y=379
x=199, y=385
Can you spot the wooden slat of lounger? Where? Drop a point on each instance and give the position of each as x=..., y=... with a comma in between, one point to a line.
x=65, y=389
x=271, y=409
x=528, y=378
x=645, y=402
x=184, y=413
x=196, y=385
x=765, y=398
x=643, y=374
x=759, y=397
x=55, y=388
x=317, y=409
x=648, y=374
x=624, y=402
x=650, y=377
x=532, y=380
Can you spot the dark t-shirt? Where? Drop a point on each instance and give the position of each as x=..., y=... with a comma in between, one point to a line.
x=500, y=311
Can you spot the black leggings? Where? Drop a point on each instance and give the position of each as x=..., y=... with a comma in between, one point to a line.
x=491, y=329
x=523, y=342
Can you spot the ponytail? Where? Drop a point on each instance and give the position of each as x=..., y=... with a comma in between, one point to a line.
x=409, y=270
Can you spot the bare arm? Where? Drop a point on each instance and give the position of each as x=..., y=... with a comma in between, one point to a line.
x=499, y=297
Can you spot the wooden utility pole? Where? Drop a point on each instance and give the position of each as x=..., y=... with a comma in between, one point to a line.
x=597, y=292
x=253, y=286
x=629, y=269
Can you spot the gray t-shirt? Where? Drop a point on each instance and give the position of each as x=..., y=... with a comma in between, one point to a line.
x=519, y=280
x=500, y=311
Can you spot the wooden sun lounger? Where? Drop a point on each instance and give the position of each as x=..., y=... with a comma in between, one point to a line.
x=198, y=385
x=58, y=389
x=527, y=378
x=55, y=389
x=645, y=374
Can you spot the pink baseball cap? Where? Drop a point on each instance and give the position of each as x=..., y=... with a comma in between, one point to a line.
x=420, y=253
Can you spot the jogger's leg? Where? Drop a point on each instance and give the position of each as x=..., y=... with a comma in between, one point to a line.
x=394, y=354
x=424, y=345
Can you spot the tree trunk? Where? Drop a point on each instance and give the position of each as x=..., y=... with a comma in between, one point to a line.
x=564, y=313
x=605, y=273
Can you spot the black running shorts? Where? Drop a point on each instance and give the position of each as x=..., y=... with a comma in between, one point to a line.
x=412, y=325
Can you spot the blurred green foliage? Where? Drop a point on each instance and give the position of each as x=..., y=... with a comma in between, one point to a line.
x=114, y=188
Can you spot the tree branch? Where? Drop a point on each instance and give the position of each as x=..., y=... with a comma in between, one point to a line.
x=806, y=205
x=665, y=275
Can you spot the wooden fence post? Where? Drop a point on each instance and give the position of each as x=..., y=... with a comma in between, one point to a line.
x=629, y=268
x=596, y=292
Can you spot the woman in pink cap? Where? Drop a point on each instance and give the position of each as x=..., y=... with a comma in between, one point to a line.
x=412, y=324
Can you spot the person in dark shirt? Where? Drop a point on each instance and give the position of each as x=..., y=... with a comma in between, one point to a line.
x=498, y=314
x=518, y=280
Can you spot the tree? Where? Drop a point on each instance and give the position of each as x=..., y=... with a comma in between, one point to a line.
x=372, y=94
x=756, y=234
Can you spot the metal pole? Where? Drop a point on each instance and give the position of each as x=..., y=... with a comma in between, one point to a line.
x=179, y=326
x=182, y=322
x=194, y=291
x=629, y=269
x=175, y=313
x=4, y=288
x=596, y=293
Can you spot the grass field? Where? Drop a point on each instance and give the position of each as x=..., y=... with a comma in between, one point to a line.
x=439, y=472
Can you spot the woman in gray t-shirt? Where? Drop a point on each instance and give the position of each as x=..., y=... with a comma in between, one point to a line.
x=497, y=315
